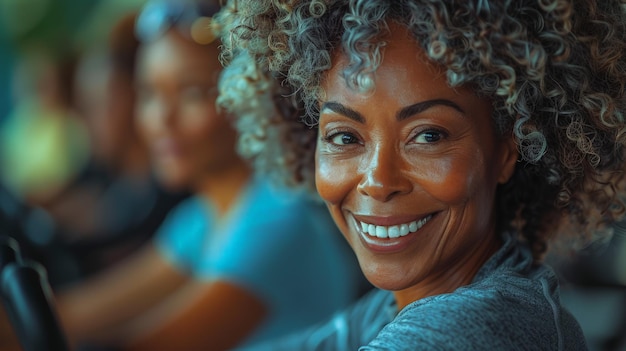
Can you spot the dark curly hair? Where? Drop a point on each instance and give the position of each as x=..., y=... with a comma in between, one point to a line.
x=555, y=71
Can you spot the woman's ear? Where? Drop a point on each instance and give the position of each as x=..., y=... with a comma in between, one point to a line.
x=510, y=155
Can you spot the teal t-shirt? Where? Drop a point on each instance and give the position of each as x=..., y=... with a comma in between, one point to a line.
x=279, y=244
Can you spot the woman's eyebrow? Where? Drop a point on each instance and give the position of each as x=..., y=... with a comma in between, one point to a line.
x=343, y=110
x=419, y=107
x=403, y=114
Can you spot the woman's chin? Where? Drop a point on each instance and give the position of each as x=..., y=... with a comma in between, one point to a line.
x=386, y=278
x=172, y=181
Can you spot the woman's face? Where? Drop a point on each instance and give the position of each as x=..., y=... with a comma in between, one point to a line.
x=188, y=139
x=409, y=172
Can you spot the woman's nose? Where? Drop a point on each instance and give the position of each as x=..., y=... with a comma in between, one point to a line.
x=382, y=177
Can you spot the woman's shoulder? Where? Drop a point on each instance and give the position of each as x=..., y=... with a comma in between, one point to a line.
x=191, y=215
x=513, y=303
x=279, y=194
x=454, y=322
x=192, y=207
x=495, y=316
x=270, y=202
x=507, y=309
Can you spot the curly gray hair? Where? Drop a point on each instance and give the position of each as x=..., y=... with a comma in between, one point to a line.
x=554, y=69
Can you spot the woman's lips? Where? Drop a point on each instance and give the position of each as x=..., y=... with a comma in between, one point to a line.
x=168, y=148
x=389, y=234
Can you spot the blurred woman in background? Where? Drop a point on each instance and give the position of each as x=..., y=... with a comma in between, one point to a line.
x=116, y=204
x=77, y=206
x=240, y=261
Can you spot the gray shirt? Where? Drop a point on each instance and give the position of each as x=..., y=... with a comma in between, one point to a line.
x=512, y=304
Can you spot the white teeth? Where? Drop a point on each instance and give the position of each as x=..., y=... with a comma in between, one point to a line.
x=364, y=227
x=381, y=231
x=394, y=231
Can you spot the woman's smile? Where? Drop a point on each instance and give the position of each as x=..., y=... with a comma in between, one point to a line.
x=368, y=226
x=388, y=234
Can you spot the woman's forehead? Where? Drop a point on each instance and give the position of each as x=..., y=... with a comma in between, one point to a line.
x=403, y=62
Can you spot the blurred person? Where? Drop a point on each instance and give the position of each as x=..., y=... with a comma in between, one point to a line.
x=43, y=148
x=116, y=204
x=113, y=204
x=104, y=98
x=43, y=144
x=239, y=262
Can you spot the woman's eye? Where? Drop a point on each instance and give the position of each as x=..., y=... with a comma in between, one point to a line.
x=429, y=136
x=343, y=139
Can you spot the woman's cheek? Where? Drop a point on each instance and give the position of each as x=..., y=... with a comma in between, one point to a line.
x=332, y=178
x=448, y=180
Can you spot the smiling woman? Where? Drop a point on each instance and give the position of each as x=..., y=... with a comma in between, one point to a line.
x=423, y=162
x=453, y=143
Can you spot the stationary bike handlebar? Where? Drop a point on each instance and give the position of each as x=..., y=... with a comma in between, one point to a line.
x=27, y=299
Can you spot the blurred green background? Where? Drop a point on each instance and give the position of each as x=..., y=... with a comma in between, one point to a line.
x=50, y=27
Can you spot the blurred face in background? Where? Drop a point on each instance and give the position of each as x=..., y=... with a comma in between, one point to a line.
x=176, y=114
x=105, y=97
